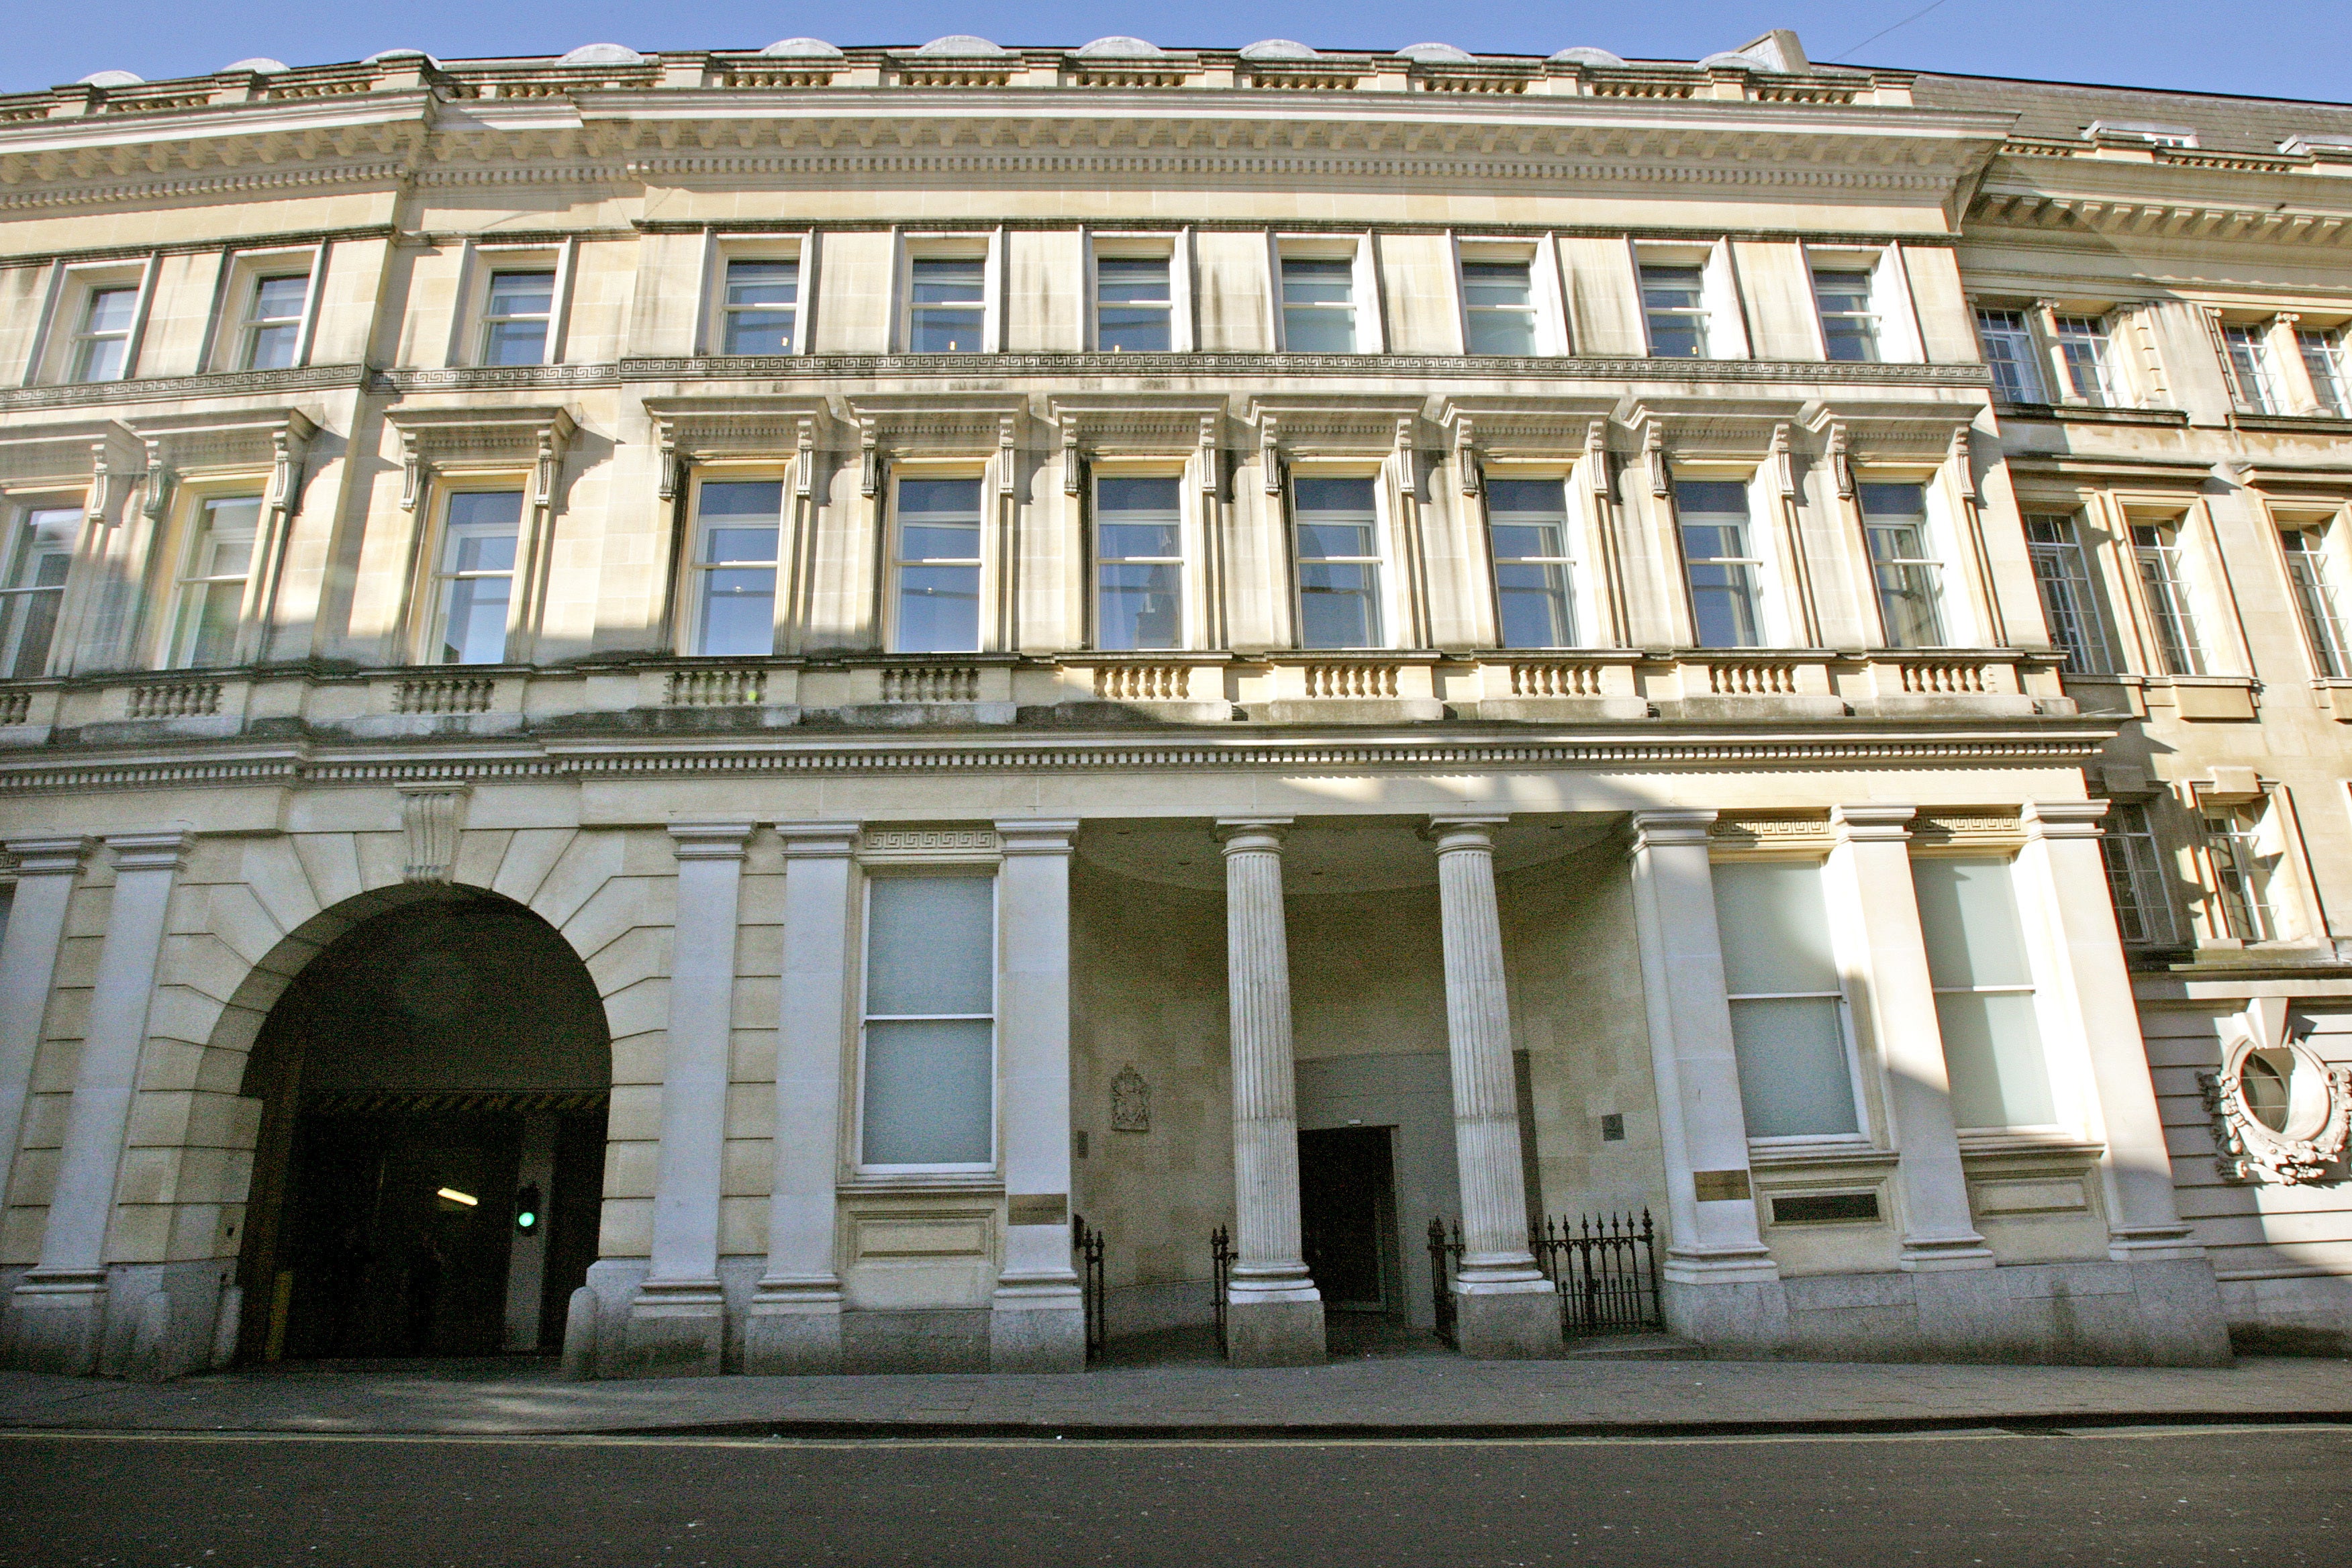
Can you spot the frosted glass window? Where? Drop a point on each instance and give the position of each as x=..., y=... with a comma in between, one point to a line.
x=212, y=588
x=931, y=1026
x=1983, y=979
x=1788, y=1006
x=734, y=567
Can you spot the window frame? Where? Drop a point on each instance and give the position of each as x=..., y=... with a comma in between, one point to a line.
x=2136, y=883
x=2250, y=365
x=1848, y=963
x=985, y=247
x=231, y=333
x=2172, y=617
x=2096, y=333
x=2228, y=835
x=978, y=471
x=717, y=316
x=480, y=264
x=194, y=508
x=2055, y=1033
x=1935, y=550
x=2326, y=627
x=1725, y=330
x=2327, y=365
x=694, y=610
x=1582, y=612
x=1759, y=562
x=2034, y=376
x=1173, y=248
x=976, y=868
x=18, y=548
x=84, y=341
x=2102, y=643
x=1894, y=336
x=431, y=618
x=1364, y=297
x=1386, y=602
x=1547, y=308
x=1190, y=611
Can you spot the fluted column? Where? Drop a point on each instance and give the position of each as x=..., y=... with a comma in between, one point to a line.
x=45, y=869
x=1275, y=1312
x=59, y=1309
x=1507, y=1308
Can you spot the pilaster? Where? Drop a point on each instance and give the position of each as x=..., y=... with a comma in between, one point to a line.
x=45, y=869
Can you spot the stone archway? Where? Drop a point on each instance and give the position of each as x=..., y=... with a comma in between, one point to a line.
x=433, y=1071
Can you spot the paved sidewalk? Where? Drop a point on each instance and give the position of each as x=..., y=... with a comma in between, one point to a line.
x=1409, y=1396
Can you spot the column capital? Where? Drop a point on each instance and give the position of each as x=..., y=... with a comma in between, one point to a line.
x=2063, y=819
x=1251, y=833
x=1663, y=829
x=709, y=841
x=58, y=857
x=1453, y=832
x=818, y=840
x=1036, y=835
x=1872, y=824
x=151, y=851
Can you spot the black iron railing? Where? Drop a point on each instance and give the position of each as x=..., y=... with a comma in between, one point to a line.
x=1086, y=1247
x=1220, y=1269
x=1444, y=1256
x=1604, y=1267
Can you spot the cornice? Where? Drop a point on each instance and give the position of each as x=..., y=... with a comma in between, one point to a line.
x=1285, y=368
x=173, y=388
x=1794, y=747
x=15, y=197
x=2157, y=208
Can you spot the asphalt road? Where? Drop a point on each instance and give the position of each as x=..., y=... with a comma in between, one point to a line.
x=2270, y=1496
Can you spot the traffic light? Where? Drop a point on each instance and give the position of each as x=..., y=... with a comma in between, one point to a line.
x=527, y=1206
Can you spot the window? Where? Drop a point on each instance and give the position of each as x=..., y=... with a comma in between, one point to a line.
x=2157, y=547
x=1139, y=562
x=937, y=566
x=2010, y=355
x=1849, y=325
x=1788, y=1008
x=1673, y=300
x=1527, y=520
x=2244, y=870
x=475, y=584
x=516, y=315
x=273, y=322
x=2136, y=878
x=1498, y=299
x=1722, y=567
x=929, y=1022
x=1902, y=565
x=946, y=304
x=39, y=551
x=762, y=307
x=734, y=567
x=1319, y=305
x=2323, y=357
x=1133, y=305
x=101, y=345
x=2249, y=349
x=2313, y=574
x=212, y=584
x=1983, y=979
x=1338, y=564
x=2083, y=350
x=2068, y=601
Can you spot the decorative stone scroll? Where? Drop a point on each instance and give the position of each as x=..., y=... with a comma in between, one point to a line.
x=2281, y=1115
x=1130, y=1101
x=429, y=822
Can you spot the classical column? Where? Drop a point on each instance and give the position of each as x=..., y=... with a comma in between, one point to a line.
x=1507, y=1307
x=45, y=869
x=1037, y=1322
x=60, y=1305
x=1869, y=883
x=1721, y=1285
x=676, y=1322
x=794, y=1323
x=1274, y=1314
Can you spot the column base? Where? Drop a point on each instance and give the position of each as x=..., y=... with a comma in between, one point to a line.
x=1520, y=1325
x=793, y=1330
x=57, y=1321
x=1038, y=1328
x=1749, y=1316
x=676, y=1328
x=1937, y=1254
x=1275, y=1333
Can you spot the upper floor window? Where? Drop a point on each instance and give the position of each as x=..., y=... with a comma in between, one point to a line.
x=517, y=313
x=1319, y=305
x=947, y=304
x=733, y=571
x=2009, y=353
x=1674, y=302
x=1849, y=321
x=273, y=321
x=1982, y=973
x=39, y=549
x=935, y=565
x=217, y=562
x=1903, y=566
x=2156, y=549
x=2251, y=370
x=2323, y=355
x=1134, y=304
x=2245, y=870
x=1139, y=562
x=2088, y=357
x=1498, y=302
x=1788, y=1005
x=2069, y=602
x=2313, y=573
x=473, y=579
x=1720, y=561
x=1338, y=525
x=762, y=307
x=1527, y=521
x=101, y=343
x=929, y=1085
x=2136, y=878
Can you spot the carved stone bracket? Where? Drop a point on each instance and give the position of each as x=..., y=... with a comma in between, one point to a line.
x=2280, y=1114
x=434, y=439
x=431, y=816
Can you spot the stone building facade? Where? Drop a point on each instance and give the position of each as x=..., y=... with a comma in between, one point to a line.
x=674, y=705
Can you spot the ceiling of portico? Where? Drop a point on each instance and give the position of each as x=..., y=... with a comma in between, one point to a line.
x=1327, y=855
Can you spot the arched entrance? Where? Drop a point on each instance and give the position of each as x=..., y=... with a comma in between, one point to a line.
x=430, y=1161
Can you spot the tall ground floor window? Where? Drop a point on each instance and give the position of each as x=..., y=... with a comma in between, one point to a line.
x=1983, y=978
x=1788, y=1006
x=929, y=1022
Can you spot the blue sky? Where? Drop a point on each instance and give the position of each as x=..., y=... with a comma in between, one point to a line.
x=2287, y=49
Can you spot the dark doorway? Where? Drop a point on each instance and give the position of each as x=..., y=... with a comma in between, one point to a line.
x=1347, y=1212
x=433, y=1072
